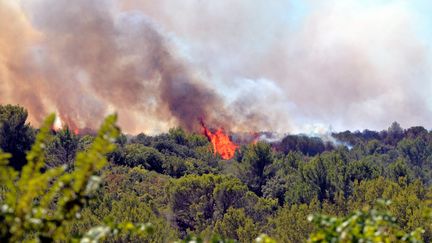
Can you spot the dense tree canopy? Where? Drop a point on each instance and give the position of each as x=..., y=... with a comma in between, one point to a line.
x=174, y=181
x=16, y=135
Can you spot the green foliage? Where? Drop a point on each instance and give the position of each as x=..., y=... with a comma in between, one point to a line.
x=235, y=224
x=62, y=148
x=197, y=202
x=197, y=239
x=16, y=136
x=129, y=208
x=197, y=140
x=85, y=142
x=410, y=202
x=175, y=166
x=304, y=144
x=148, y=157
x=39, y=203
x=130, y=195
x=179, y=135
x=362, y=170
x=290, y=223
x=317, y=174
x=256, y=160
x=263, y=238
x=374, y=225
x=99, y=233
x=299, y=190
x=398, y=169
x=174, y=181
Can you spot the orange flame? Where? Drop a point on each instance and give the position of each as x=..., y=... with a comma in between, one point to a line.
x=76, y=131
x=221, y=142
x=59, y=124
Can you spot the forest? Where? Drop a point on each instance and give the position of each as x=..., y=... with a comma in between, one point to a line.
x=364, y=186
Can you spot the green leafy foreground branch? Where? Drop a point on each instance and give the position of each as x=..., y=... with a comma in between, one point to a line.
x=37, y=203
x=366, y=225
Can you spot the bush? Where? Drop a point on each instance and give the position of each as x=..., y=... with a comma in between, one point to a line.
x=38, y=204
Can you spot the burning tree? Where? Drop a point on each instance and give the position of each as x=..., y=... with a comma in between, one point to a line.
x=221, y=142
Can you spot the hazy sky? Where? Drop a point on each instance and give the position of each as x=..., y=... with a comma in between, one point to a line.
x=294, y=66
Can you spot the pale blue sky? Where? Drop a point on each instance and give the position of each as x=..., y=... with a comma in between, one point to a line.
x=422, y=8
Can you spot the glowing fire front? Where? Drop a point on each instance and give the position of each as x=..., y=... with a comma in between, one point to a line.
x=221, y=142
x=59, y=124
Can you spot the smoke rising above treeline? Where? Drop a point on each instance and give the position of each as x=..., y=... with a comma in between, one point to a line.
x=243, y=66
x=89, y=58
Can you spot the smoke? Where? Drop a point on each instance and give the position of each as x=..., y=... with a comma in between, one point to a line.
x=93, y=58
x=16, y=34
x=350, y=64
x=357, y=66
x=242, y=66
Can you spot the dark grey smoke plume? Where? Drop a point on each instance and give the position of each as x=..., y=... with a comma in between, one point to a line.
x=91, y=58
x=347, y=63
x=243, y=65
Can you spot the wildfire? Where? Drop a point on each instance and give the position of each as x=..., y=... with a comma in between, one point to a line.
x=59, y=124
x=221, y=142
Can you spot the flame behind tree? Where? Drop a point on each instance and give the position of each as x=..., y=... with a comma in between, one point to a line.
x=60, y=124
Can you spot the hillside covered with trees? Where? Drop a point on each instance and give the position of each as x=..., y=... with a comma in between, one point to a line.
x=297, y=189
